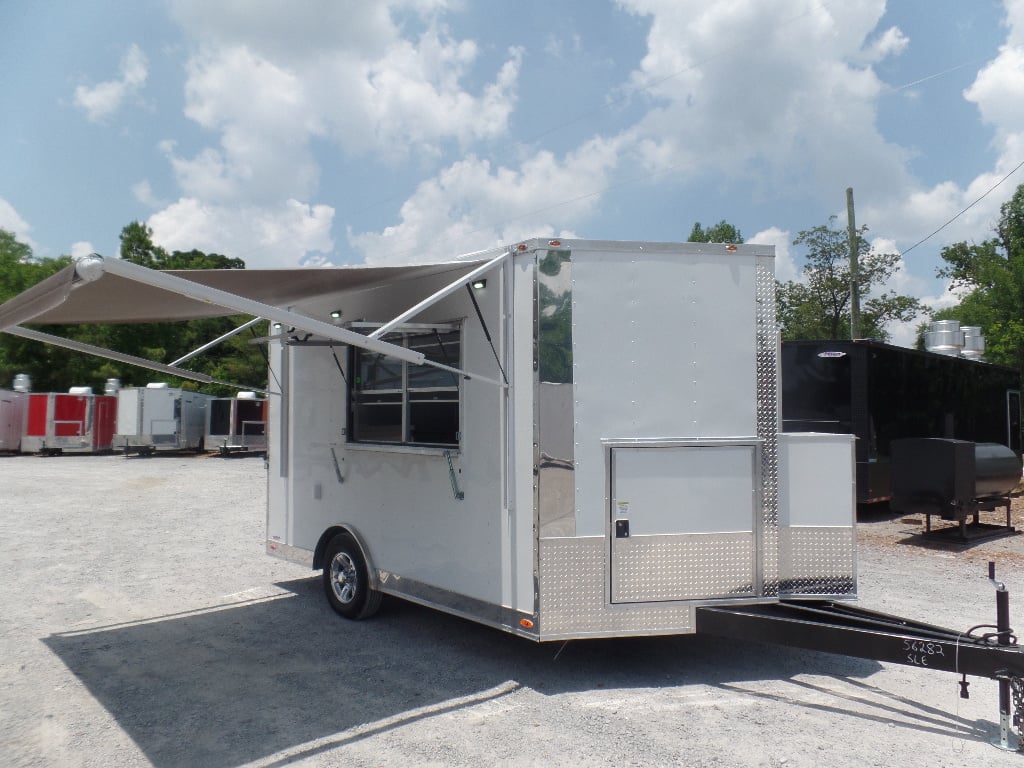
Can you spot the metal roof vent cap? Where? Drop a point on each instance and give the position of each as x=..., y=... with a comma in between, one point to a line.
x=22, y=382
x=974, y=343
x=944, y=337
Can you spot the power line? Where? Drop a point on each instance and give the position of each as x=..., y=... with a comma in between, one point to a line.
x=965, y=210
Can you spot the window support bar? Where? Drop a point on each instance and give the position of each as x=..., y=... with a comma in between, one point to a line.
x=459, y=495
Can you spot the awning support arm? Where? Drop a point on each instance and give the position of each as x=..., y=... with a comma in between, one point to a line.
x=218, y=340
x=121, y=357
x=92, y=267
x=436, y=297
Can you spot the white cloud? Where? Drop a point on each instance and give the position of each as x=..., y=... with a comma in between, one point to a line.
x=891, y=42
x=100, y=101
x=143, y=192
x=770, y=93
x=799, y=104
x=970, y=212
x=781, y=96
x=12, y=221
x=81, y=248
x=277, y=235
x=471, y=206
x=786, y=269
x=904, y=334
x=270, y=81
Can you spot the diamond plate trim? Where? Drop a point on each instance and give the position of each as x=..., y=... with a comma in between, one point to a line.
x=818, y=561
x=683, y=567
x=768, y=424
x=572, y=600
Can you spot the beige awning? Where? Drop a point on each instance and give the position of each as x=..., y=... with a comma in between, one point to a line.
x=63, y=298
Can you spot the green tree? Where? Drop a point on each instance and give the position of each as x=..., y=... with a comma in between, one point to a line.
x=19, y=270
x=232, y=360
x=722, y=232
x=818, y=307
x=990, y=277
x=137, y=245
x=54, y=369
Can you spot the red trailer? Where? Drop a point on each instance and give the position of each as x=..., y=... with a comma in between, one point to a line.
x=76, y=422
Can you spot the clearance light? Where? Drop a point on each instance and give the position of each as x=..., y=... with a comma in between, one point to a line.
x=526, y=623
x=555, y=243
x=521, y=247
x=479, y=285
x=731, y=248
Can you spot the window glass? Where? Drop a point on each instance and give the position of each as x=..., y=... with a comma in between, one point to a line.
x=404, y=404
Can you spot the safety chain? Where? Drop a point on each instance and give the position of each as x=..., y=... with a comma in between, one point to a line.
x=1017, y=692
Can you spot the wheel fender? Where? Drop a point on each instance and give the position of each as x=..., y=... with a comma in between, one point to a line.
x=330, y=533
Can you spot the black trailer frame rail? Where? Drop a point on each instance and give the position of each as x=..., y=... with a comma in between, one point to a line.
x=986, y=650
x=849, y=630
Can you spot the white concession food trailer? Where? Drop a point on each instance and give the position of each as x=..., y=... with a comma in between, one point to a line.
x=159, y=417
x=559, y=438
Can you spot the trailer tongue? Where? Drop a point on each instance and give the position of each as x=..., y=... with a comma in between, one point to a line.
x=989, y=651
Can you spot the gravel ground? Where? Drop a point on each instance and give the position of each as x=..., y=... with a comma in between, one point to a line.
x=144, y=625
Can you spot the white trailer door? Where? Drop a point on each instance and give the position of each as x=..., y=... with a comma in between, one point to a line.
x=162, y=411
x=683, y=522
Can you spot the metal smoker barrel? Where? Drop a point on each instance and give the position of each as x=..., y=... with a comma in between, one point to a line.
x=940, y=476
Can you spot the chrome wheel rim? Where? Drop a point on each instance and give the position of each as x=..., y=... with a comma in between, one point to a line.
x=344, y=580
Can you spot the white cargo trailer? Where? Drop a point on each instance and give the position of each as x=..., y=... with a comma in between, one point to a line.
x=622, y=466
x=560, y=438
x=159, y=417
x=13, y=410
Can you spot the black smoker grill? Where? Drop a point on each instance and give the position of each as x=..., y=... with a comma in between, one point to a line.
x=956, y=480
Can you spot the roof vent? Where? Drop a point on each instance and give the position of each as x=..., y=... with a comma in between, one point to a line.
x=946, y=337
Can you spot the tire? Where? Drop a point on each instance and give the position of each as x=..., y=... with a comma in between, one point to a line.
x=346, y=579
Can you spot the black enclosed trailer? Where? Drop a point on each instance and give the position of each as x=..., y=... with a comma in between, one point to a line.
x=880, y=393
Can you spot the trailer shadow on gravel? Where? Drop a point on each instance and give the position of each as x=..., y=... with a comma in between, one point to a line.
x=283, y=678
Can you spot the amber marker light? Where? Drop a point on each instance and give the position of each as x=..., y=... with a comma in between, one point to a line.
x=526, y=623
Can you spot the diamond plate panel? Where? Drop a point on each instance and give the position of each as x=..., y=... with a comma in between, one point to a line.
x=768, y=423
x=818, y=561
x=682, y=567
x=573, y=601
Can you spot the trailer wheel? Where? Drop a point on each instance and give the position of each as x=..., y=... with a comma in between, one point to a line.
x=346, y=579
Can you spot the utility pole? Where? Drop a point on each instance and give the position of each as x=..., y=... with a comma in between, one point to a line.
x=854, y=268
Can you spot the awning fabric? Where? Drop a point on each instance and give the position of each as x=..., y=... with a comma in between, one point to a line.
x=63, y=299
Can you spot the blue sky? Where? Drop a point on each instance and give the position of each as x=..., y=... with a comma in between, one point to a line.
x=341, y=131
